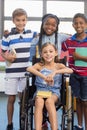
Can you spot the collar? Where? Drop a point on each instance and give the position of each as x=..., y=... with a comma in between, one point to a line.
x=75, y=39
x=14, y=31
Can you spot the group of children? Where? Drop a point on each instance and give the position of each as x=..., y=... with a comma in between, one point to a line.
x=48, y=71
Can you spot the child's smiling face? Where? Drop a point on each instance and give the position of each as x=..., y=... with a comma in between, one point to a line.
x=48, y=53
x=50, y=26
x=20, y=22
x=79, y=25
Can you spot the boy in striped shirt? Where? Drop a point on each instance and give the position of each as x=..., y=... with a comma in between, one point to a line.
x=78, y=79
x=15, y=50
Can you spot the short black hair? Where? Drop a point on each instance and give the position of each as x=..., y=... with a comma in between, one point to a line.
x=81, y=15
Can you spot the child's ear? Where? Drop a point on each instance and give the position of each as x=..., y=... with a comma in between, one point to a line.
x=73, y=25
x=56, y=54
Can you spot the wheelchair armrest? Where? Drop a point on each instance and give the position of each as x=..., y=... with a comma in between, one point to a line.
x=67, y=75
x=28, y=74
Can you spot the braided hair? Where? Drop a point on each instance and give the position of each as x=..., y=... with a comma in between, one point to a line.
x=44, y=18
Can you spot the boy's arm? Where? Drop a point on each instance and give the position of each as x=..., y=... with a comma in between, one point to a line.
x=79, y=57
x=8, y=56
x=4, y=54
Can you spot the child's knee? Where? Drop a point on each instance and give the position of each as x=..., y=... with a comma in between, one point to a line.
x=11, y=99
x=85, y=103
x=39, y=102
x=78, y=101
x=49, y=102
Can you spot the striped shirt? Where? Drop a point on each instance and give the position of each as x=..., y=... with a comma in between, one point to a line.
x=21, y=42
x=71, y=44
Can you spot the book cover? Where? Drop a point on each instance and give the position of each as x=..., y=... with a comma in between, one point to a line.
x=44, y=94
x=12, y=51
x=82, y=51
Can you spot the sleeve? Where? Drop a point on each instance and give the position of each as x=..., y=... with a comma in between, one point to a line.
x=5, y=43
x=61, y=38
x=33, y=48
x=35, y=34
x=65, y=46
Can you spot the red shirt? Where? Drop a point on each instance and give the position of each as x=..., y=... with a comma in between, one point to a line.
x=70, y=45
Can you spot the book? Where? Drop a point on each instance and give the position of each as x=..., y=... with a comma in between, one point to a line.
x=44, y=94
x=12, y=51
x=82, y=51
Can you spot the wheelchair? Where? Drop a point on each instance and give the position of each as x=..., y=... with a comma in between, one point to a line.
x=27, y=103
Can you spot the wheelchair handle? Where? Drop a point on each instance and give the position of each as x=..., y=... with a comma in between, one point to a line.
x=27, y=74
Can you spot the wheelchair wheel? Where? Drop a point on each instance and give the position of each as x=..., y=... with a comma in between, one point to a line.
x=70, y=109
x=23, y=122
x=25, y=114
x=67, y=112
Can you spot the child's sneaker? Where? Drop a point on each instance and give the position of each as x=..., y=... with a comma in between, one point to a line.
x=10, y=126
x=77, y=128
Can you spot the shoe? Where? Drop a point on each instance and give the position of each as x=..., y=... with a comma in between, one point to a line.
x=77, y=128
x=45, y=126
x=10, y=126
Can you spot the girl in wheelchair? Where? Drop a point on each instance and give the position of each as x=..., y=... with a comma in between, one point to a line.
x=48, y=84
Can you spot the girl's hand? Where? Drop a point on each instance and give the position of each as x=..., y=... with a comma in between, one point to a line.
x=79, y=57
x=51, y=77
x=50, y=80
